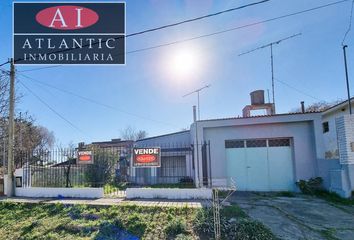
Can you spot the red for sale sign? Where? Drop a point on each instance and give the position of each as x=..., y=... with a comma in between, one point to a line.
x=85, y=157
x=147, y=157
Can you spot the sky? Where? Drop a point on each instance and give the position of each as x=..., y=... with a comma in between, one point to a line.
x=146, y=93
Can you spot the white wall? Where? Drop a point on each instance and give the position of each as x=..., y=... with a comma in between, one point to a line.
x=169, y=193
x=59, y=192
x=330, y=137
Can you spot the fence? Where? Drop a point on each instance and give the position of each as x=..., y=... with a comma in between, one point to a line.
x=112, y=168
x=61, y=168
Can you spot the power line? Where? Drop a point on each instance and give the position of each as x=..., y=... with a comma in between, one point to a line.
x=4, y=63
x=163, y=27
x=95, y=101
x=350, y=23
x=52, y=109
x=298, y=90
x=231, y=29
x=40, y=68
x=197, y=18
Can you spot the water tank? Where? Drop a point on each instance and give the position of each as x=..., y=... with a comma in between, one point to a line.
x=257, y=97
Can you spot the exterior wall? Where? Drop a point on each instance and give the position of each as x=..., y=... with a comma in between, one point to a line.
x=171, y=193
x=62, y=192
x=337, y=149
x=345, y=136
x=330, y=137
x=302, y=140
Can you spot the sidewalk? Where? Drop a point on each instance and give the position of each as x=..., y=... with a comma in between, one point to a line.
x=111, y=202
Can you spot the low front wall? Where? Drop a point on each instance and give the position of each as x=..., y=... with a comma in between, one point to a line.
x=59, y=192
x=169, y=193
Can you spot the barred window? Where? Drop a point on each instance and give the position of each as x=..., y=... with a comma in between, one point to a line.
x=256, y=143
x=234, y=144
x=282, y=142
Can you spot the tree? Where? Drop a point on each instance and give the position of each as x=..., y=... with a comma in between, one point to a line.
x=317, y=106
x=130, y=133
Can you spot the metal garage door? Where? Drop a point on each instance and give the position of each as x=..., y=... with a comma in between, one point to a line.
x=260, y=164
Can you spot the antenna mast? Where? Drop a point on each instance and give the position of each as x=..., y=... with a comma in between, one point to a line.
x=197, y=91
x=271, y=59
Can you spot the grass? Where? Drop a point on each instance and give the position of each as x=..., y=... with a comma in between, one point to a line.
x=334, y=197
x=58, y=221
x=48, y=221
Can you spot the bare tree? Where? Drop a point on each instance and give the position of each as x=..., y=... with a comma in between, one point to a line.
x=317, y=106
x=130, y=133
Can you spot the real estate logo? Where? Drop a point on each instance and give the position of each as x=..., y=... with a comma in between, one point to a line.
x=69, y=32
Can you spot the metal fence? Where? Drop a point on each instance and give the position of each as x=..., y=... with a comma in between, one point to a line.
x=111, y=168
x=60, y=168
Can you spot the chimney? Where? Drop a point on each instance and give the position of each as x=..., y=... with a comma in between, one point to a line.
x=194, y=113
x=81, y=145
x=302, y=106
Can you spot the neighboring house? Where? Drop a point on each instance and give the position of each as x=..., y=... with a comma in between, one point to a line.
x=267, y=153
x=338, y=137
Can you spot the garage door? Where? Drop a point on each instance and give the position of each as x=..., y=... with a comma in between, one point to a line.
x=260, y=164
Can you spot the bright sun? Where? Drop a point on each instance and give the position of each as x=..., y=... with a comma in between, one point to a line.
x=184, y=62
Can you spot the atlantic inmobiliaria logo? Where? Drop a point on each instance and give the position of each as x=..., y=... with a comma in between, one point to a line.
x=69, y=32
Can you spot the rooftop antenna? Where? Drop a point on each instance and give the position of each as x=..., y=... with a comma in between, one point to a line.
x=197, y=91
x=271, y=58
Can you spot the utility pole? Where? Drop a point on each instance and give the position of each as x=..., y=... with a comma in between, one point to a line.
x=347, y=78
x=271, y=60
x=10, y=147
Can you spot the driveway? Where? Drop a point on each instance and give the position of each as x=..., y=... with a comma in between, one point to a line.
x=299, y=217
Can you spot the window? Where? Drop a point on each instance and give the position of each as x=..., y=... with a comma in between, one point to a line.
x=234, y=144
x=256, y=143
x=325, y=127
x=281, y=142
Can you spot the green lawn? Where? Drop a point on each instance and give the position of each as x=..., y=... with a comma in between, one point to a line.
x=49, y=221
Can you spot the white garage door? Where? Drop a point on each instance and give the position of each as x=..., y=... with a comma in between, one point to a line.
x=260, y=164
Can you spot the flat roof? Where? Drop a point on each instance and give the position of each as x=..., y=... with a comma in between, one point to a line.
x=260, y=116
x=164, y=135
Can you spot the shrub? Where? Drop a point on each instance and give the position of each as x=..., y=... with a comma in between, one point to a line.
x=248, y=230
x=183, y=237
x=136, y=224
x=204, y=222
x=176, y=226
x=310, y=186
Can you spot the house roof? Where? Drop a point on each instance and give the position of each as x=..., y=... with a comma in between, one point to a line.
x=259, y=116
x=164, y=135
x=337, y=106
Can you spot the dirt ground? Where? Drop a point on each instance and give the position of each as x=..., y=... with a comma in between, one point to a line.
x=299, y=217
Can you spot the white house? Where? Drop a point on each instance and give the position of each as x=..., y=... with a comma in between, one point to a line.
x=270, y=152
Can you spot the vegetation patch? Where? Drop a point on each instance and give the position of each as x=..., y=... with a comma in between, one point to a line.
x=57, y=221
x=314, y=187
x=234, y=224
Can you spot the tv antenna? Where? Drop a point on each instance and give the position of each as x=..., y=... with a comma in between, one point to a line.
x=197, y=91
x=271, y=58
